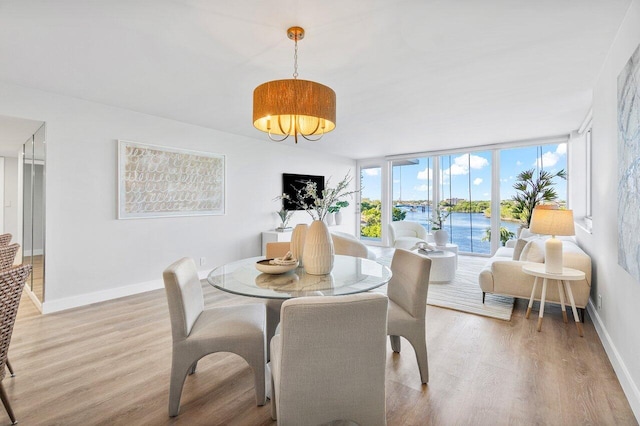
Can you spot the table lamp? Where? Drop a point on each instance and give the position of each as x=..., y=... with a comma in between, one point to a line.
x=552, y=222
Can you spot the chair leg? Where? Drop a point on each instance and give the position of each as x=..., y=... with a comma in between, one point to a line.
x=259, y=382
x=395, y=343
x=179, y=370
x=274, y=412
x=419, y=343
x=483, y=295
x=273, y=319
x=7, y=406
x=10, y=368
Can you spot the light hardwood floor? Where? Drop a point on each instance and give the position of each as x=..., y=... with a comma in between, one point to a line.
x=108, y=364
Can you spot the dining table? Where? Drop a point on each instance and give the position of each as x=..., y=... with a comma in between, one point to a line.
x=349, y=275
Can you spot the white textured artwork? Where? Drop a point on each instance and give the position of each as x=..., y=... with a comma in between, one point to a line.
x=629, y=166
x=157, y=181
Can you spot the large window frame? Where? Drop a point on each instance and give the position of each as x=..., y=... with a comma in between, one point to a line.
x=386, y=164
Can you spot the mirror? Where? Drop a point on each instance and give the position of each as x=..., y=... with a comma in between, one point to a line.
x=33, y=209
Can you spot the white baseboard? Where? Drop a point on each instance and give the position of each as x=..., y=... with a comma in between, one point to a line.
x=100, y=296
x=33, y=298
x=629, y=387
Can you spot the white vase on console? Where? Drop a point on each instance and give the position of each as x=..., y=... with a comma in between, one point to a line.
x=318, y=249
x=297, y=241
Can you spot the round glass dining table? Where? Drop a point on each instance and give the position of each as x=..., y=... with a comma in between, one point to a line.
x=349, y=275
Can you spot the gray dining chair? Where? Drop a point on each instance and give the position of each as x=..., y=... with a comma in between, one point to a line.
x=407, y=291
x=328, y=361
x=198, y=332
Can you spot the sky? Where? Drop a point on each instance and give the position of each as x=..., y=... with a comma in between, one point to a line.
x=465, y=175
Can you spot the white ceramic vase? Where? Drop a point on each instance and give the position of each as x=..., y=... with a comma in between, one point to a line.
x=441, y=237
x=328, y=219
x=297, y=241
x=317, y=254
x=338, y=217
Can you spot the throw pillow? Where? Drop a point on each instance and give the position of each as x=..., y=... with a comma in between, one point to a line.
x=517, y=250
x=533, y=251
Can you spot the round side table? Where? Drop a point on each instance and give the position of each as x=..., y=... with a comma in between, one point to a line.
x=443, y=267
x=563, y=280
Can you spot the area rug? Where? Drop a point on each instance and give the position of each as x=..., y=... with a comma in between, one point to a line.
x=464, y=294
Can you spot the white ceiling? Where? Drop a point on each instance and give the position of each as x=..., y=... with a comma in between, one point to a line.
x=409, y=76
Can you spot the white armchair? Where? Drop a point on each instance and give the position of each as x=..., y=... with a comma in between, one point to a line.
x=406, y=234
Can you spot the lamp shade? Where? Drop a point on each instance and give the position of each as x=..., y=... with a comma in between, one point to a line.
x=552, y=222
x=292, y=106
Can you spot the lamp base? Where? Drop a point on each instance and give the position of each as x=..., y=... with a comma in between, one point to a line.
x=553, y=256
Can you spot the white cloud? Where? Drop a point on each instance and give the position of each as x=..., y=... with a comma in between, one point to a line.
x=426, y=174
x=477, y=181
x=396, y=181
x=372, y=172
x=462, y=163
x=486, y=194
x=550, y=159
x=561, y=149
x=504, y=180
x=518, y=163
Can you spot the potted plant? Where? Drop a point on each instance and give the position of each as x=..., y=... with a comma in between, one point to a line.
x=285, y=216
x=533, y=189
x=335, y=209
x=440, y=235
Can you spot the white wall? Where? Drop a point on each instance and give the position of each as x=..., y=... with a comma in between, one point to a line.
x=93, y=256
x=617, y=321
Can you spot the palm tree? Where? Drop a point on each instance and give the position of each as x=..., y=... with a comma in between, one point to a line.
x=533, y=189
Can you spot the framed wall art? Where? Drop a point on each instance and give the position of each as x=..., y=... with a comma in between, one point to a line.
x=157, y=181
x=629, y=165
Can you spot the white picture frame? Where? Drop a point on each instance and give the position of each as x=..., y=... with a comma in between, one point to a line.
x=157, y=181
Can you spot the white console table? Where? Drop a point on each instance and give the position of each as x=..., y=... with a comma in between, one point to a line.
x=274, y=237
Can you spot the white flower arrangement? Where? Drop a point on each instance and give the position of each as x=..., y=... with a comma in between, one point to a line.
x=319, y=205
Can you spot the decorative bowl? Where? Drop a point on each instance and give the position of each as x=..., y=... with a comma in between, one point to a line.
x=283, y=261
x=268, y=267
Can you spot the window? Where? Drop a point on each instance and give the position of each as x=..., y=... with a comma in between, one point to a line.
x=371, y=203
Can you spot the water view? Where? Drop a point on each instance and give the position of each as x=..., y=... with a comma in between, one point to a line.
x=465, y=229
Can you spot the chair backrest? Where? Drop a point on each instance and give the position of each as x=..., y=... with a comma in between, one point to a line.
x=5, y=239
x=404, y=228
x=350, y=246
x=8, y=255
x=277, y=249
x=333, y=356
x=184, y=295
x=410, y=282
x=11, y=285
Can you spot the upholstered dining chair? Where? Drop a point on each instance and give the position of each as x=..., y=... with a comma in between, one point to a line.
x=8, y=255
x=277, y=249
x=197, y=331
x=328, y=361
x=5, y=239
x=11, y=284
x=407, y=291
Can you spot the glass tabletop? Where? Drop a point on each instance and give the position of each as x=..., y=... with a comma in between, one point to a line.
x=349, y=275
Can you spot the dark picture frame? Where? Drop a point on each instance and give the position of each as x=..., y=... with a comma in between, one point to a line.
x=291, y=183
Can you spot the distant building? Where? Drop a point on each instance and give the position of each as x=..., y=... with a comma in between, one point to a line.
x=453, y=201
